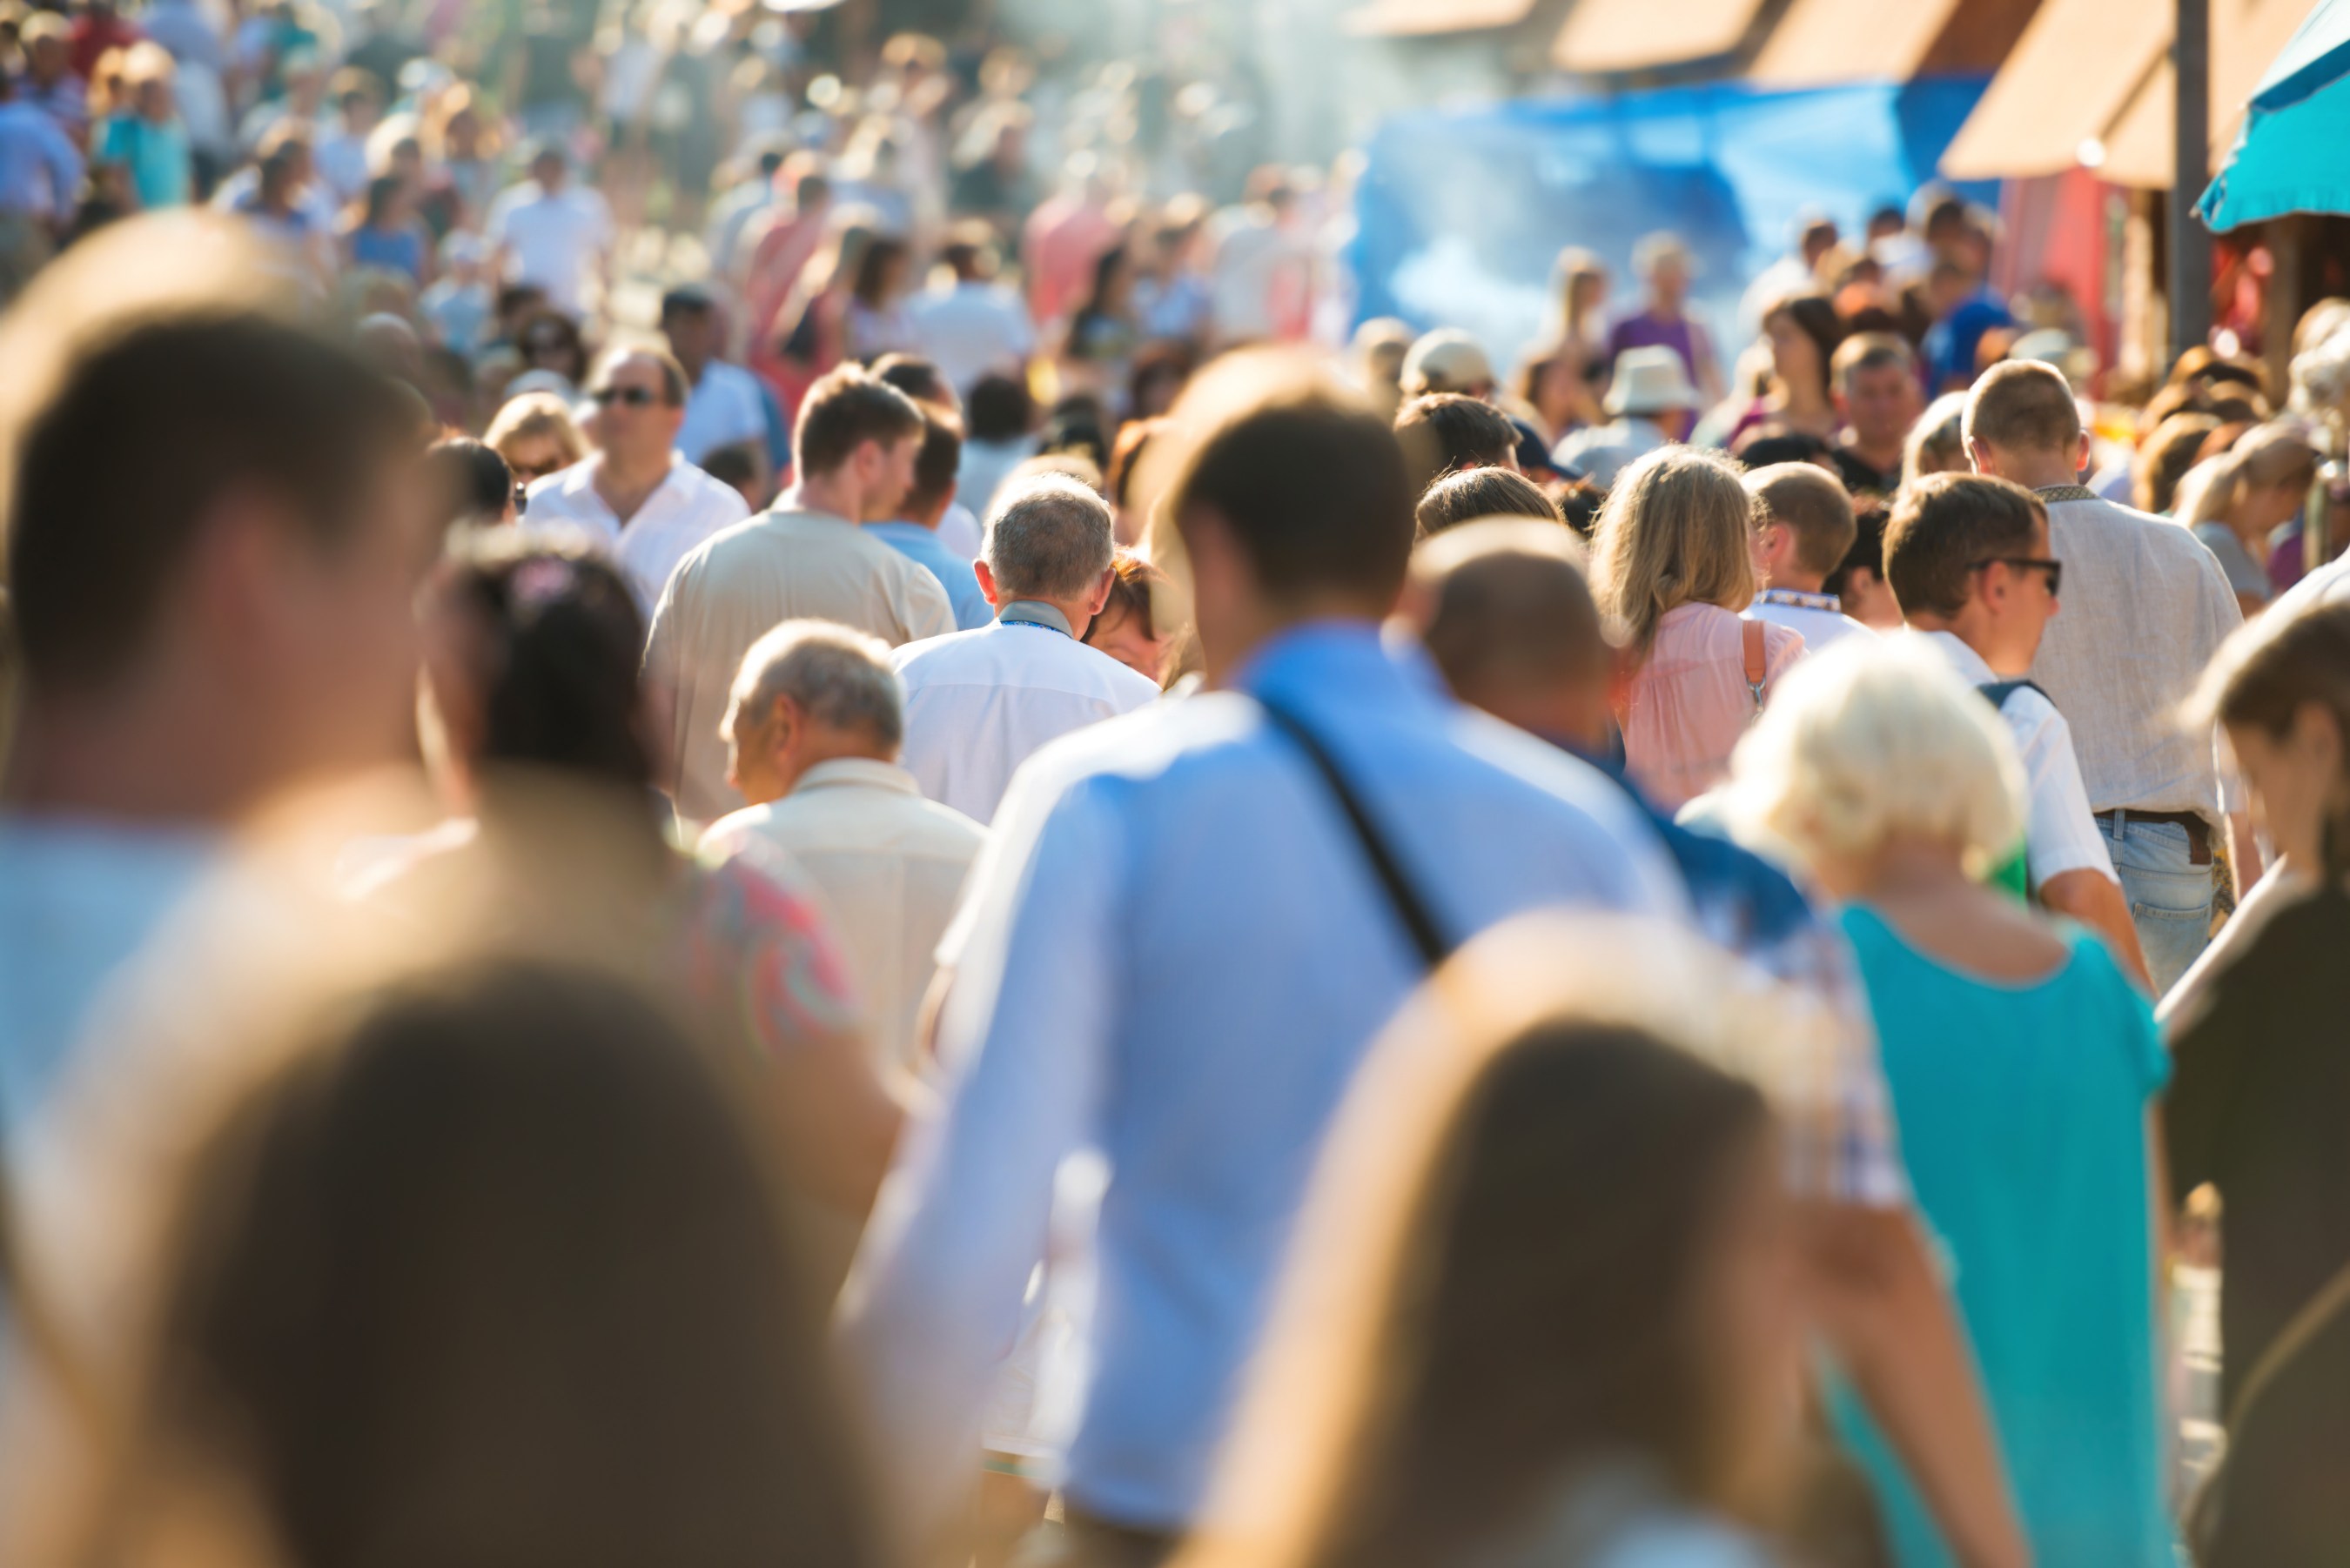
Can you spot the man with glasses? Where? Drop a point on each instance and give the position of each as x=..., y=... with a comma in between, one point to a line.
x=2149, y=609
x=634, y=493
x=1969, y=559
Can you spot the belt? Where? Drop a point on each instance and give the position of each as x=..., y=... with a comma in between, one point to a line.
x=2198, y=832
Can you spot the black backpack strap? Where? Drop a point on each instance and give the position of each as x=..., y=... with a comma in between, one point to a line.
x=1997, y=693
x=1427, y=936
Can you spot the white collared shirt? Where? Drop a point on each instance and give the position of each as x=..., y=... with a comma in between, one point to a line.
x=2059, y=832
x=889, y=866
x=1819, y=617
x=978, y=702
x=686, y=508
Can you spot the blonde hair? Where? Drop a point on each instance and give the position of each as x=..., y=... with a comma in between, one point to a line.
x=1672, y=532
x=532, y=415
x=1934, y=445
x=1860, y=745
x=2272, y=454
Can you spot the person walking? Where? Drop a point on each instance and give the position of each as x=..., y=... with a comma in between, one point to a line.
x=1803, y=528
x=2149, y=609
x=1968, y=560
x=1673, y=563
x=854, y=448
x=914, y=532
x=979, y=704
x=638, y=495
x=1203, y=838
x=2023, y=1065
x=814, y=726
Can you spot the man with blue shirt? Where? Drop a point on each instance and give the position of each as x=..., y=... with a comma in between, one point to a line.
x=915, y=532
x=1177, y=951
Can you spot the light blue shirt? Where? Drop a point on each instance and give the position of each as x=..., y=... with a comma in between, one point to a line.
x=1174, y=951
x=40, y=169
x=923, y=546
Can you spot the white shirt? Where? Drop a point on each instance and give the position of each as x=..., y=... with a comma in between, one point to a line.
x=889, y=866
x=724, y=408
x=978, y=702
x=958, y=531
x=688, y=507
x=972, y=328
x=553, y=239
x=2059, y=834
x=1819, y=617
x=985, y=466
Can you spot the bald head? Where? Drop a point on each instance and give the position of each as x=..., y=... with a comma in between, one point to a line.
x=1506, y=611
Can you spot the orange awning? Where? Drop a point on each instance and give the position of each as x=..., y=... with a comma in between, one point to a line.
x=1819, y=43
x=1603, y=35
x=2246, y=35
x=1422, y=18
x=2075, y=68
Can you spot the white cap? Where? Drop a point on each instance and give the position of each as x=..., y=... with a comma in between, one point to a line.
x=1649, y=382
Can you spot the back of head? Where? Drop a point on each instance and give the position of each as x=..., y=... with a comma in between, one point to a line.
x=1312, y=487
x=1862, y=745
x=2023, y=406
x=147, y=431
x=936, y=464
x=416, y=1273
x=2166, y=455
x=1000, y=408
x=473, y=481
x=1810, y=504
x=1672, y=532
x=839, y=677
x=1445, y=432
x=1050, y=538
x=1459, y=498
x=845, y=410
x=918, y=378
x=2270, y=455
x=1508, y=608
x=2264, y=677
x=546, y=665
x=1944, y=527
x=1936, y=442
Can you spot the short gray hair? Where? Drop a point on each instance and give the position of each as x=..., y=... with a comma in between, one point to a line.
x=1050, y=538
x=841, y=676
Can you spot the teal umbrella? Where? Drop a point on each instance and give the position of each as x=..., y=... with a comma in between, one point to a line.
x=2293, y=154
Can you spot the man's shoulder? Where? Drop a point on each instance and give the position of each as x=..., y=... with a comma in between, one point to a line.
x=928, y=656
x=706, y=491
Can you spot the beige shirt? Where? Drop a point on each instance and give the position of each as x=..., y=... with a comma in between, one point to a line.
x=889, y=867
x=2144, y=607
x=736, y=587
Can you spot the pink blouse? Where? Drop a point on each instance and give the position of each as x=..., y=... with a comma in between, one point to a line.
x=1690, y=703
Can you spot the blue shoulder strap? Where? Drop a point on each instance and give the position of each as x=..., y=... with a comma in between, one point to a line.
x=1997, y=693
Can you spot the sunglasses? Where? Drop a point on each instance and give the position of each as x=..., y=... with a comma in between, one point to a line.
x=2055, y=569
x=627, y=397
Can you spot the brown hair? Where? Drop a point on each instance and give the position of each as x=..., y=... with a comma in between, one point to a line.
x=1945, y=526
x=1510, y=608
x=2276, y=454
x=1133, y=581
x=1312, y=487
x=1869, y=351
x=2267, y=673
x=1446, y=433
x=2023, y=405
x=1459, y=498
x=844, y=411
x=1126, y=454
x=1672, y=532
x=418, y=1272
x=936, y=466
x=2166, y=455
x=1810, y=504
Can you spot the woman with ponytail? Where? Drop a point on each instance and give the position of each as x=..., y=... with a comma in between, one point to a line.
x=2255, y=1106
x=2235, y=500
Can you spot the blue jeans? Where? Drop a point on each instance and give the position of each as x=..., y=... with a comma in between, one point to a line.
x=2169, y=898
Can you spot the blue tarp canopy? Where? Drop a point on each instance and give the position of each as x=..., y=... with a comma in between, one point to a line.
x=1462, y=211
x=2293, y=154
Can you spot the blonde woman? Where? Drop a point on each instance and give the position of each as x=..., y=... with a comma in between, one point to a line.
x=1671, y=566
x=1935, y=445
x=537, y=435
x=2024, y=1066
x=1542, y=1309
x=2234, y=500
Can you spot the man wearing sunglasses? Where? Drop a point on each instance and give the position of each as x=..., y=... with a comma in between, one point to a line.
x=1967, y=558
x=645, y=503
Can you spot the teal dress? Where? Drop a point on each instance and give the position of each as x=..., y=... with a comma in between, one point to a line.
x=2023, y=1114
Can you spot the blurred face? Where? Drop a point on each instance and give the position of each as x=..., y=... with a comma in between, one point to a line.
x=1752, y=1328
x=1669, y=281
x=692, y=335
x=46, y=59
x=1123, y=636
x=2022, y=602
x=153, y=99
x=533, y=457
x=2295, y=779
x=546, y=347
x=635, y=421
x=893, y=476
x=1794, y=358
x=1881, y=403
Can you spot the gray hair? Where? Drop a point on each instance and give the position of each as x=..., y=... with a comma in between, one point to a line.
x=840, y=676
x=1050, y=538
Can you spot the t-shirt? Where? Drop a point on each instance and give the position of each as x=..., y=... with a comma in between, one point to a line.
x=2023, y=1111
x=2245, y=575
x=155, y=155
x=555, y=238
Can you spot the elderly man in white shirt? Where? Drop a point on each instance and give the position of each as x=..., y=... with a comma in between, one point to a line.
x=636, y=496
x=813, y=729
x=1967, y=558
x=1803, y=528
x=2148, y=608
x=979, y=703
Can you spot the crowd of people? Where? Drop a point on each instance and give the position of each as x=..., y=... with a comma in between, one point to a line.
x=765, y=800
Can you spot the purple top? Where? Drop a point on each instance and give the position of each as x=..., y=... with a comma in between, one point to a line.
x=1650, y=330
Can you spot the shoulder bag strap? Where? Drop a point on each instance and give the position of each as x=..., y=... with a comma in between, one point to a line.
x=1427, y=936
x=1758, y=664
